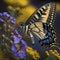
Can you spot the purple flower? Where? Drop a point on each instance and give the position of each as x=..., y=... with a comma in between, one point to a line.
x=6, y=14
x=22, y=53
x=0, y=14
x=12, y=19
x=16, y=31
x=1, y=20
x=16, y=39
x=9, y=17
x=23, y=42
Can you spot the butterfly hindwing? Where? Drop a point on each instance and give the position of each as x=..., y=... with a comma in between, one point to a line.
x=50, y=40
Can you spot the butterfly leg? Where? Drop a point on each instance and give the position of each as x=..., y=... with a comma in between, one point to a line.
x=31, y=36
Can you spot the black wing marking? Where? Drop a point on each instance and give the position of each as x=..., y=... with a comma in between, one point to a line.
x=44, y=14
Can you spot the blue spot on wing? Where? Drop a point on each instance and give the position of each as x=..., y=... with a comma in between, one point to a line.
x=49, y=39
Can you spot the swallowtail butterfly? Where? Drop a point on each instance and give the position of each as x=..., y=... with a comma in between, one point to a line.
x=40, y=25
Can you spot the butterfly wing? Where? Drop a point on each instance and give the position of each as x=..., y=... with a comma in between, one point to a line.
x=44, y=14
x=41, y=24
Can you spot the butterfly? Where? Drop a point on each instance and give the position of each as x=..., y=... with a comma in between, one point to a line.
x=40, y=25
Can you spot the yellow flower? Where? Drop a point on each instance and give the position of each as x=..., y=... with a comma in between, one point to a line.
x=17, y=2
x=33, y=53
x=54, y=53
x=9, y=7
